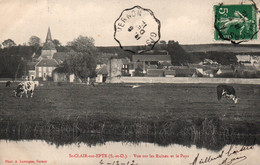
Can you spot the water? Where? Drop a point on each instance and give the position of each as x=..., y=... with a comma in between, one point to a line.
x=41, y=152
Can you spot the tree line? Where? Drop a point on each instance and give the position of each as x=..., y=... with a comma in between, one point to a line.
x=80, y=60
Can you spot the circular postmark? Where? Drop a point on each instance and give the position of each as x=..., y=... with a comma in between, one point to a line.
x=137, y=27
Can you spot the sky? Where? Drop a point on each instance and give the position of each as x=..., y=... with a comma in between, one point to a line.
x=185, y=21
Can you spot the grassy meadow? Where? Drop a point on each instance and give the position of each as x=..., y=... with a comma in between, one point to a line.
x=190, y=110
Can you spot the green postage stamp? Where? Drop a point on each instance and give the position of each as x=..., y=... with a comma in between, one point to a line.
x=235, y=22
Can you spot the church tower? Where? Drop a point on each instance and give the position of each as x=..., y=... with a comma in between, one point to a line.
x=48, y=47
x=46, y=63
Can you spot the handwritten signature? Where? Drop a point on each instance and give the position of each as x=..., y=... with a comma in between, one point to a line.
x=225, y=157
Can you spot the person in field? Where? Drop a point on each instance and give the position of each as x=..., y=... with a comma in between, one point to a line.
x=227, y=92
x=24, y=88
x=8, y=84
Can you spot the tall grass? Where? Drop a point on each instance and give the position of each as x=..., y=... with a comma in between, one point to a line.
x=140, y=127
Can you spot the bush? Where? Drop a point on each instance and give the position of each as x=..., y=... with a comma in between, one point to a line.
x=226, y=75
x=139, y=74
x=49, y=78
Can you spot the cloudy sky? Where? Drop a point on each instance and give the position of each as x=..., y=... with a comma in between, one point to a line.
x=186, y=21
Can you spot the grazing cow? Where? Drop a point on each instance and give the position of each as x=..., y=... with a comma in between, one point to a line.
x=24, y=88
x=8, y=84
x=227, y=91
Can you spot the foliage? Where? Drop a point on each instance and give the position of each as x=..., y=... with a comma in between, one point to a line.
x=9, y=66
x=59, y=47
x=81, y=64
x=56, y=42
x=223, y=58
x=11, y=57
x=34, y=41
x=177, y=53
x=81, y=59
x=162, y=45
x=8, y=43
x=83, y=44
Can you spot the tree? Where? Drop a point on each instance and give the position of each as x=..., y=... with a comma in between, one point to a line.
x=58, y=46
x=56, y=42
x=34, y=41
x=178, y=55
x=223, y=58
x=83, y=44
x=162, y=42
x=8, y=43
x=81, y=64
x=82, y=58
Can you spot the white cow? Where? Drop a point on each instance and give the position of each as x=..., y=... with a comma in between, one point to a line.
x=24, y=88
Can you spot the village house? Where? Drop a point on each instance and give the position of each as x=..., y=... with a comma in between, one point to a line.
x=165, y=65
x=102, y=74
x=205, y=69
x=170, y=73
x=126, y=67
x=45, y=67
x=247, y=59
x=151, y=58
x=47, y=62
x=225, y=71
x=155, y=73
x=117, y=67
x=150, y=64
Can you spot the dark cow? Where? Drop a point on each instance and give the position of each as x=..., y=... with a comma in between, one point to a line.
x=227, y=91
x=8, y=84
x=19, y=91
x=24, y=88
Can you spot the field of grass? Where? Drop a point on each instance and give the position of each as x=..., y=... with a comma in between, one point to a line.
x=189, y=110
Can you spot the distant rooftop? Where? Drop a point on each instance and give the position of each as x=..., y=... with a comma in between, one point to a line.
x=103, y=70
x=47, y=63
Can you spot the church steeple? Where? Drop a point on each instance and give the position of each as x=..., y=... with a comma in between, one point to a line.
x=48, y=37
x=48, y=45
x=48, y=48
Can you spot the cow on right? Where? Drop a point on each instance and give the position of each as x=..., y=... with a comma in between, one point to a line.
x=227, y=92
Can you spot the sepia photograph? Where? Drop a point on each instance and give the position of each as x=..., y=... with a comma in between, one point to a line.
x=117, y=82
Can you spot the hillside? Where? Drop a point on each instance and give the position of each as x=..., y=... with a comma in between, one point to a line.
x=241, y=48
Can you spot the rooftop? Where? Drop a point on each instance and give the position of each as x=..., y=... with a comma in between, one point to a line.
x=103, y=70
x=47, y=63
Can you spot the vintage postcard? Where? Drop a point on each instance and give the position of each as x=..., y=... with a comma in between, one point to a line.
x=117, y=82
